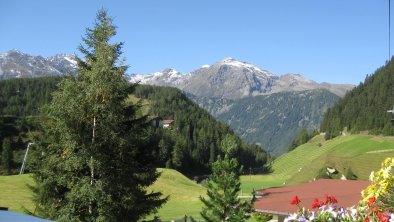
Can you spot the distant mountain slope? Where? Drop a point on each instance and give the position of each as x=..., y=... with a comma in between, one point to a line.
x=365, y=107
x=16, y=64
x=272, y=121
x=232, y=79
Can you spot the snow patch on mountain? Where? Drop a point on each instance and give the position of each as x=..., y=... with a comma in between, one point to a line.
x=167, y=77
x=233, y=62
x=16, y=64
x=233, y=79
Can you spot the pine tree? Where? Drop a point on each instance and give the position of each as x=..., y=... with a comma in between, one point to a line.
x=224, y=185
x=97, y=156
x=6, y=155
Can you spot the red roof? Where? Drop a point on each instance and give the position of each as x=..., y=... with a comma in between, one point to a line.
x=277, y=200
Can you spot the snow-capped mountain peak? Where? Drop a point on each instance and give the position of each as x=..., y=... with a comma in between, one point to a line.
x=15, y=64
x=167, y=77
x=243, y=65
x=232, y=79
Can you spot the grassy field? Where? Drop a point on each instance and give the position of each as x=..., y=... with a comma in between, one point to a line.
x=360, y=153
x=15, y=194
x=183, y=195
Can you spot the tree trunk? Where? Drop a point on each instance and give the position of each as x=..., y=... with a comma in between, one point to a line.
x=91, y=162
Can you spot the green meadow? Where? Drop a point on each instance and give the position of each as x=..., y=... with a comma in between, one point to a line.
x=360, y=153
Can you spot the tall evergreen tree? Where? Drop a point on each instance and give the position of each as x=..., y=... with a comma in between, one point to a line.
x=224, y=185
x=97, y=156
x=6, y=155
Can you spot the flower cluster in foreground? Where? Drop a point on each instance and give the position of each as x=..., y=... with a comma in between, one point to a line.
x=326, y=210
x=369, y=209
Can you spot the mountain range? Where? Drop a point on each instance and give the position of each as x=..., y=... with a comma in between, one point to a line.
x=226, y=79
x=233, y=79
x=261, y=107
x=16, y=64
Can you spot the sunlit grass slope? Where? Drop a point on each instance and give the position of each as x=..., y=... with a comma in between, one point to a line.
x=362, y=154
x=15, y=194
x=183, y=194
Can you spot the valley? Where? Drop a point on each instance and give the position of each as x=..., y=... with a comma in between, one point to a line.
x=223, y=89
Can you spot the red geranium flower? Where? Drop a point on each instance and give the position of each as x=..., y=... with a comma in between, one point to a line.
x=370, y=201
x=333, y=200
x=316, y=204
x=295, y=201
x=383, y=217
x=330, y=199
x=327, y=198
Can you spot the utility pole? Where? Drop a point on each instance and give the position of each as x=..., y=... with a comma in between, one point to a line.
x=24, y=159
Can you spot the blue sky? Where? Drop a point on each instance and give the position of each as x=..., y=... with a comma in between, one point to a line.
x=337, y=41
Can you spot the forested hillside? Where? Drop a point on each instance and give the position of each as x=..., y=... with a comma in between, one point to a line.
x=365, y=107
x=20, y=100
x=190, y=146
x=23, y=97
x=194, y=141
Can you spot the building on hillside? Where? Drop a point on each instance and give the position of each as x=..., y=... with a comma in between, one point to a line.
x=168, y=123
x=156, y=121
x=276, y=200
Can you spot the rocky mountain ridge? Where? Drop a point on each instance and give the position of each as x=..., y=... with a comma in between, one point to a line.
x=233, y=79
x=227, y=78
x=16, y=64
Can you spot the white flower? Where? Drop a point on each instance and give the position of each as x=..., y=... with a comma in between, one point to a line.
x=354, y=211
x=291, y=217
x=334, y=214
x=386, y=172
x=313, y=216
x=371, y=176
x=391, y=217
